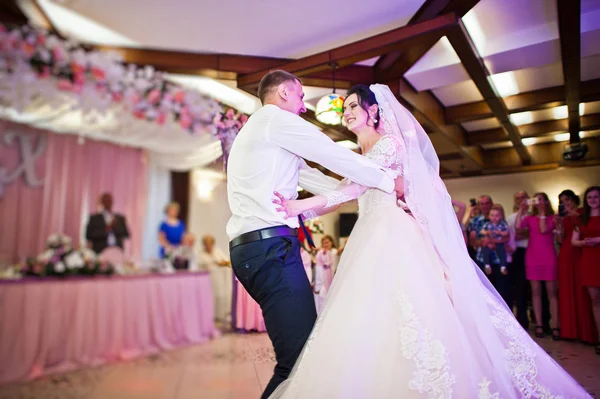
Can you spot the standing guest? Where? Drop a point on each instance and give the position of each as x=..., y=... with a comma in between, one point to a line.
x=569, y=284
x=106, y=228
x=540, y=261
x=184, y=256
x=518, y=279
x=326, y=261
x=461, y=208
x=215, y=261
x=171, y=230
x=586, y=235
x=307, y=262
x=500, y=281
x=473, y=212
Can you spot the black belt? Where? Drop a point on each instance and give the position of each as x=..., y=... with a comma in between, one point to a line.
x=263, y=234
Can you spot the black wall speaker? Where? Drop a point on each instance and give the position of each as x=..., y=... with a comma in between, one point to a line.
x=347, y=221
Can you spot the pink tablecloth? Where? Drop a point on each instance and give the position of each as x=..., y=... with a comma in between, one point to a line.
x=48, y=326
x=248, y=315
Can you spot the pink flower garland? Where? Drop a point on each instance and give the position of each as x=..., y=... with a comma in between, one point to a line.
x=143, y=91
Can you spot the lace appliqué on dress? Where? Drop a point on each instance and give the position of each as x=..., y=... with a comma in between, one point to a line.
x=432, y=375
x=387, y=153
x=520, y=353
x=310, y=214
x=484, y=390
x=336, y=198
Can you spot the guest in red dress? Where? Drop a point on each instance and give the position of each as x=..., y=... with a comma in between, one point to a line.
x=587, y=236
x=569, y=288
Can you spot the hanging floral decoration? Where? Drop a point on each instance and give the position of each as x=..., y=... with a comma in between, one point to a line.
x=36, y=65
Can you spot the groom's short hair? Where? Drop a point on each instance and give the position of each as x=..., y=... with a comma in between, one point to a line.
x=272, y=80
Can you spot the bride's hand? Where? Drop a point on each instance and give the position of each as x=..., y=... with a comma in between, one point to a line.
x=291, y=208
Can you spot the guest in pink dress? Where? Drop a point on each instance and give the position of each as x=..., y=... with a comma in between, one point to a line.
x=307, y=262
x=541, y=260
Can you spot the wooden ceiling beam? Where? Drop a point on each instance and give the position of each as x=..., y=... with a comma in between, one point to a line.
x=336, y=133
x=361, y=50
x=508, y=158
x=528, y=101
x=525, y=169
x=569, y=28
x=467, y=52
x=177, y=61
x=229, y=66
x=588, y=122
x=11, y=14
x=395, y=64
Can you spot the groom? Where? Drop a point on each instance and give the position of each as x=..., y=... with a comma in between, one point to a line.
x=265, y=252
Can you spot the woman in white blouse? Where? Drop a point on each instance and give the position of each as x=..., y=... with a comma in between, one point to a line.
x=214, y=260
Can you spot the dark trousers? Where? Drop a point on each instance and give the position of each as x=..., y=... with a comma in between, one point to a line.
x=500, y=282
x=520, y=286
x=500, y=251
x=272, y=272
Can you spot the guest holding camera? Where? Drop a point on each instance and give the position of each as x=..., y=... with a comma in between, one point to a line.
x=541, y=261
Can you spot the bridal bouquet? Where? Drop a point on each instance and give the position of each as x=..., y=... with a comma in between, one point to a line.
x=60, y=259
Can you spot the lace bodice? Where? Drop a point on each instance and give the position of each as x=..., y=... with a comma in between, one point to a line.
x=387, y=153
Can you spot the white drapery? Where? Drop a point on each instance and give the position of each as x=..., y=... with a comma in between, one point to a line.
x=169, y=145
x=159, y=195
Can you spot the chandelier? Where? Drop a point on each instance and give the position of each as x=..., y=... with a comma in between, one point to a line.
x=330, y=107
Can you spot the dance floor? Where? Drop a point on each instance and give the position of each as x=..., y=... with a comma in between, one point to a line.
x=232, y=366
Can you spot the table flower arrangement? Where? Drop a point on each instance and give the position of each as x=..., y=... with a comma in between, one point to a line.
x=61, y=259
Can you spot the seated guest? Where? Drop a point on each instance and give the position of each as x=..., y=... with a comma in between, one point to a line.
x=184, y=256
x=106, y=228
x=219, y=266
x=171, y=230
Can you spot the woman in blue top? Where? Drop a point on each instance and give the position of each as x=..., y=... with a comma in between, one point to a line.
x=171, y=230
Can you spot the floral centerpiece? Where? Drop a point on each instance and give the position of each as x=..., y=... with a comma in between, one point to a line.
x=315, y=226
x=60, y=259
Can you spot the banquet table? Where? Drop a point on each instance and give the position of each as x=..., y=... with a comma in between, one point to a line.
x=54, y=325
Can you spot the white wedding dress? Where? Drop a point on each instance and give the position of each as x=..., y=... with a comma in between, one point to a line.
x=390, y=328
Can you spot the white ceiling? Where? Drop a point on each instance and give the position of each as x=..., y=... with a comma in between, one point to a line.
x=518, y=39
x=263, y=27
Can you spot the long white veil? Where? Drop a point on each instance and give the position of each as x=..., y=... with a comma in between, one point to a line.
x=475, y=299
x=425, y=192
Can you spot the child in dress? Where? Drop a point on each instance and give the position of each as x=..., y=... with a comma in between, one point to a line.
x=326, y=261
x=498, y=232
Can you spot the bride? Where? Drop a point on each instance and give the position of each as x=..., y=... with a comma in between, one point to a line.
x=408, y=314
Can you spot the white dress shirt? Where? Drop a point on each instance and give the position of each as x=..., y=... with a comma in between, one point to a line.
x=108, y=219
x=512, y=219
x=266, y=156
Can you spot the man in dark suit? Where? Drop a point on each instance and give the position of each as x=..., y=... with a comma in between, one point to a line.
x=106, y=229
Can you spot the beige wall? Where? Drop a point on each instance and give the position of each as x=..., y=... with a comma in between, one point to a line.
x=210, y=216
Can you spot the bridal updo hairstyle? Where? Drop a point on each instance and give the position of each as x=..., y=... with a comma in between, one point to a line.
x=366, y=98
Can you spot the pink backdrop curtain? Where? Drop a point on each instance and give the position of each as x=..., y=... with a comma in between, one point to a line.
x=75, y=175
